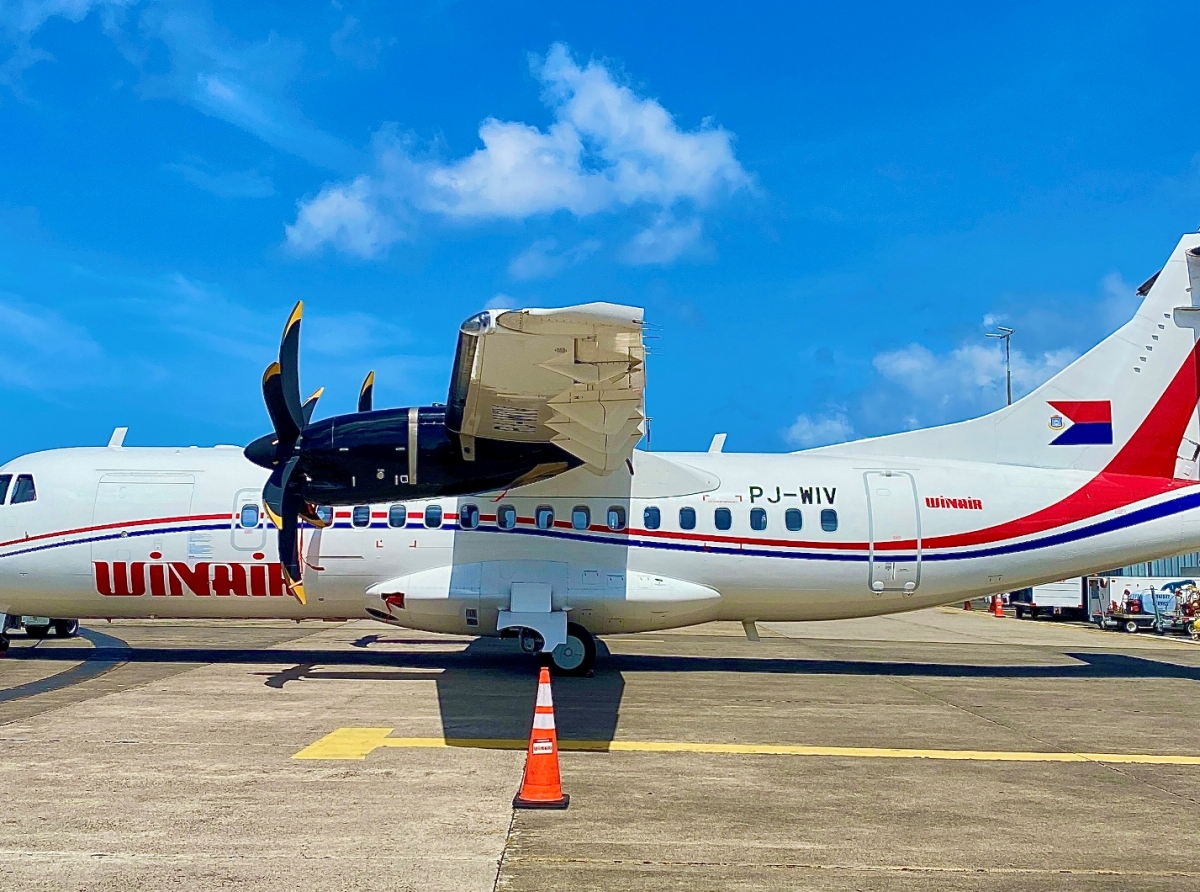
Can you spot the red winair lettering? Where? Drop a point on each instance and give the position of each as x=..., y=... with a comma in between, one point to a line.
x=944, y=502
x=175, y=578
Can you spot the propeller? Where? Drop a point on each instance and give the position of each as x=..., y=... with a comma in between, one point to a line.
x=366, y=393
x=282, y=496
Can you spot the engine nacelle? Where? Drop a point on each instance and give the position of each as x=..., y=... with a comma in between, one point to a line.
x=405, y=454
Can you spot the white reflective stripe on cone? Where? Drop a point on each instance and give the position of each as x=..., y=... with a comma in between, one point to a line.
x=543, y=721
x=544, y=698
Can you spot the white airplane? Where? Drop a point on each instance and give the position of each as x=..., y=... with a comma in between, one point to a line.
x=522, y=507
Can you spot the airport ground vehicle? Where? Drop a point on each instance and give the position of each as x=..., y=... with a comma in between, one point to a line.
x=1065, y=598
x=1136, y=604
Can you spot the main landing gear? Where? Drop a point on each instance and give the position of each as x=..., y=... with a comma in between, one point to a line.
x=575, y=656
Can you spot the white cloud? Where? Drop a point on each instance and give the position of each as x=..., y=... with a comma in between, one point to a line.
x=806, y=431
x=664, y=241
x=347, y=217
x=501, y=301
x=350, y=42
x=21, y=19
x=970, y=379
x=542, y=259
x=242, y=83
x=44, y=351
x=231, y=184
x=607, y=148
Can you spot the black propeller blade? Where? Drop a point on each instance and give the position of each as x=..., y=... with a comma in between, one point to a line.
x=291, y=504
x=366, y=393
x=289, y=366
x=283, y=498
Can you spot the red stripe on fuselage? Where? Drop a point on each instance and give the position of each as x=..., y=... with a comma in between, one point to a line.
x=116, y=526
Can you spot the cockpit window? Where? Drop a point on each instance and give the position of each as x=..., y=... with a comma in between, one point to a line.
x=24, y=490
x=5, y=480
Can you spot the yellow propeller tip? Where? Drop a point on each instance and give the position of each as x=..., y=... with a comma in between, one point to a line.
x=297, y=589
x=272, y=370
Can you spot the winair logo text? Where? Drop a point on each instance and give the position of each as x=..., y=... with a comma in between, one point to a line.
x=943, y=502
x=177, y=578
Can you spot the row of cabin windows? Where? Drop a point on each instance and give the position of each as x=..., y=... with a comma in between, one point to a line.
x=793, y=519
x=22, y=491
x=581, y=517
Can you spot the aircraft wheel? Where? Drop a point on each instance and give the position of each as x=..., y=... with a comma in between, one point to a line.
x=578, y=655
x=37, y=631
x=66, y=628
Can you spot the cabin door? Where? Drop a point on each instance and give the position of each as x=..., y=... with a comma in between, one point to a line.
x=894, y=533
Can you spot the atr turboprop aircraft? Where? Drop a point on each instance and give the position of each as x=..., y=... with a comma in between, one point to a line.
x=522, y=508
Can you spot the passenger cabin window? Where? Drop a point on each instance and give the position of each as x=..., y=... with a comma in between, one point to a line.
x=793, y=519
x=723, y=518
x=758, y=519
x=543, y=517
x=5, y=480
x=361, y=516
x=581, y=517
x=687, y=518
x=652, y=518
x=616, y=517
x=325, y=514
x=433, y=516
x=397, y=516
x=829, y=520
x=506, y=517
x=468, y=517
x=248, y=518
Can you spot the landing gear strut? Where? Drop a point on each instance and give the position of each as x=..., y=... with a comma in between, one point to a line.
x=577, y=655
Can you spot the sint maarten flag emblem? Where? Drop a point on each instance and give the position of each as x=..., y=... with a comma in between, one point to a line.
x=1082, y=422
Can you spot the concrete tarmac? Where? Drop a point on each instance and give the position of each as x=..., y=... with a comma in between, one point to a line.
x=944, y=749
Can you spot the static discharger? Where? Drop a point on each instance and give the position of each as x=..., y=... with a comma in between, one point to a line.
x=541, y=786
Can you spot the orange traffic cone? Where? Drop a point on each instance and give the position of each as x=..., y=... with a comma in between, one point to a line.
x=997, y=606
x=542, y=786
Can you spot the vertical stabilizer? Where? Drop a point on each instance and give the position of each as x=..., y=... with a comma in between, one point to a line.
x=1123, y=407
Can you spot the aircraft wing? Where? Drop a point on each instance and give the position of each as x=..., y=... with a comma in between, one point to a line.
x=573, y=376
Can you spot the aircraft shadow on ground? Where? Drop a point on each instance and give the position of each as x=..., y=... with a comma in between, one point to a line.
x=486, y=690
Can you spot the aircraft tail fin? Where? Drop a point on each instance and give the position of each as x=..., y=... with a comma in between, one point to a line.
x=1123, y=407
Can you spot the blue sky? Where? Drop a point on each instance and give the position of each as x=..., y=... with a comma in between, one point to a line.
x=821, y=209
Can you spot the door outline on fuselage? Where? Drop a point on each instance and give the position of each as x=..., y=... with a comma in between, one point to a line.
x=248, y=538
x=892, y=575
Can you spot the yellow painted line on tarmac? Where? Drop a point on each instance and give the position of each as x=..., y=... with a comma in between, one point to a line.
x=358, y=743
